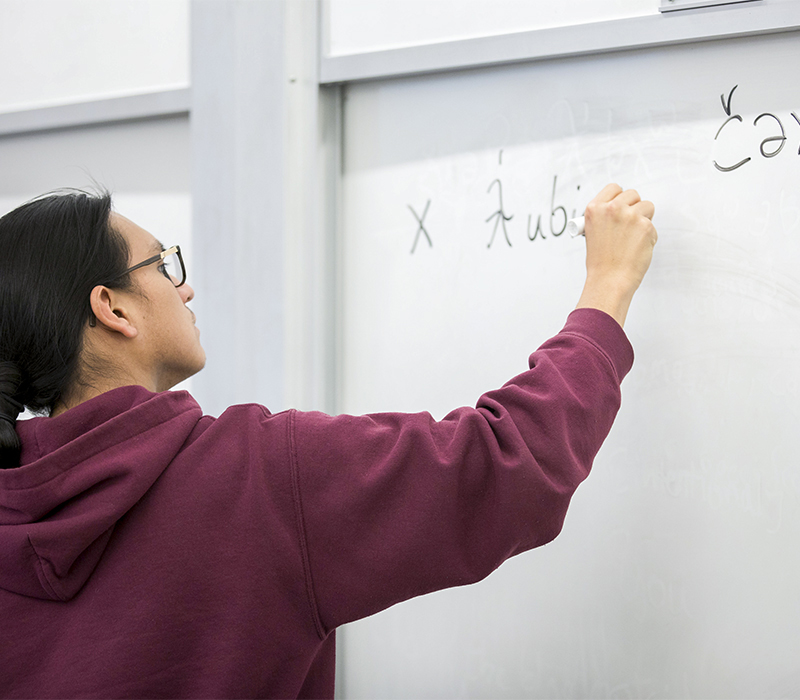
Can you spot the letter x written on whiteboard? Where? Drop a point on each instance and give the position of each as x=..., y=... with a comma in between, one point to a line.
x=672, y=5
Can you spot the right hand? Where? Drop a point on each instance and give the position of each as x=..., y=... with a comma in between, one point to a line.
x=620, y=237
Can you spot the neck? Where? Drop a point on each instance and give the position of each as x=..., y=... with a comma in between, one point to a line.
x=83, y=390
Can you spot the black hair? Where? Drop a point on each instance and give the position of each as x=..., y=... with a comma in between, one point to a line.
x=53, y=251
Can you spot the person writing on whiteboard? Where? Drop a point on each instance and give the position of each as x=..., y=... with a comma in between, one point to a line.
x=148, y=550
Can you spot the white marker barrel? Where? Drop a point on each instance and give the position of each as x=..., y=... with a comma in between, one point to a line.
x=576, y=227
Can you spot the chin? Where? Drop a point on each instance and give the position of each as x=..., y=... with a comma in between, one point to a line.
x=196, y=363
x=196, y=368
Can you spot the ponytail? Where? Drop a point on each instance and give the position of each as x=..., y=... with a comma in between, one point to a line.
x=10, y=408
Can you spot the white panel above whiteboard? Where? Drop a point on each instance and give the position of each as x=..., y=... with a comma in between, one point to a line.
x=677, y=572
x=717, y=21
x=358, y=26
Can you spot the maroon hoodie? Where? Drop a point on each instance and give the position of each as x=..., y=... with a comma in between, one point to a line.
x=149, y=551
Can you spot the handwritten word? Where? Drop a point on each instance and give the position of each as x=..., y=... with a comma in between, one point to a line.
x=421, y=226
x=500, y=214
x=558, y=216
x=556, y=219
x=767, y=147
x=501, y=217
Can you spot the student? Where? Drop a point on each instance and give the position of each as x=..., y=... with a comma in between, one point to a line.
x=147, y=550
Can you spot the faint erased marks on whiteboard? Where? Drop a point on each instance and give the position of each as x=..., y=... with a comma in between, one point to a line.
x=723, y=485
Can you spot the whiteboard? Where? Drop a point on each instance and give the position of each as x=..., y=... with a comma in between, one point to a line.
x=677, y=573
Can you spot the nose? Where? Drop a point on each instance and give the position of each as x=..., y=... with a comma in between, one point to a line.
x=186, y=292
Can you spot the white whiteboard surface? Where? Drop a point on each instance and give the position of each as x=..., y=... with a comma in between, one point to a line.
x=358, y=26
x=677, y=573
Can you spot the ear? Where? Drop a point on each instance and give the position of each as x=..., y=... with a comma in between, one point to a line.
x=110, y=313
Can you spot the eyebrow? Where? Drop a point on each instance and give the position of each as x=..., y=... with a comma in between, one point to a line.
x=157, y=247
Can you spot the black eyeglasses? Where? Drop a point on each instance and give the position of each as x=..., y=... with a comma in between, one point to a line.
x=171, y=261
x=171, y=264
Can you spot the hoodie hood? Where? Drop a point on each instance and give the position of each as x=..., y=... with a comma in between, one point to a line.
x=79, y=474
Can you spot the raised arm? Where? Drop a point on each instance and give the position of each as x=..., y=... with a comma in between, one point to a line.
x=391, y=506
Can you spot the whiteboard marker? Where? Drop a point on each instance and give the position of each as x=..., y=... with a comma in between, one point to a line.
x=577, y=227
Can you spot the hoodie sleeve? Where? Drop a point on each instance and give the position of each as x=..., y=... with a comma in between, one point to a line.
x=397, y=505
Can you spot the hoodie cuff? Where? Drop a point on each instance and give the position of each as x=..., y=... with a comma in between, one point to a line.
x=606, y=334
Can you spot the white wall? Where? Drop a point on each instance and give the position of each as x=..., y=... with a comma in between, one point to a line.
x=55, y=51
x=356, y=26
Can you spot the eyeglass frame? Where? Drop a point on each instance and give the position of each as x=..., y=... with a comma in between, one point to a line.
x=156, y=258
x=163, y=254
